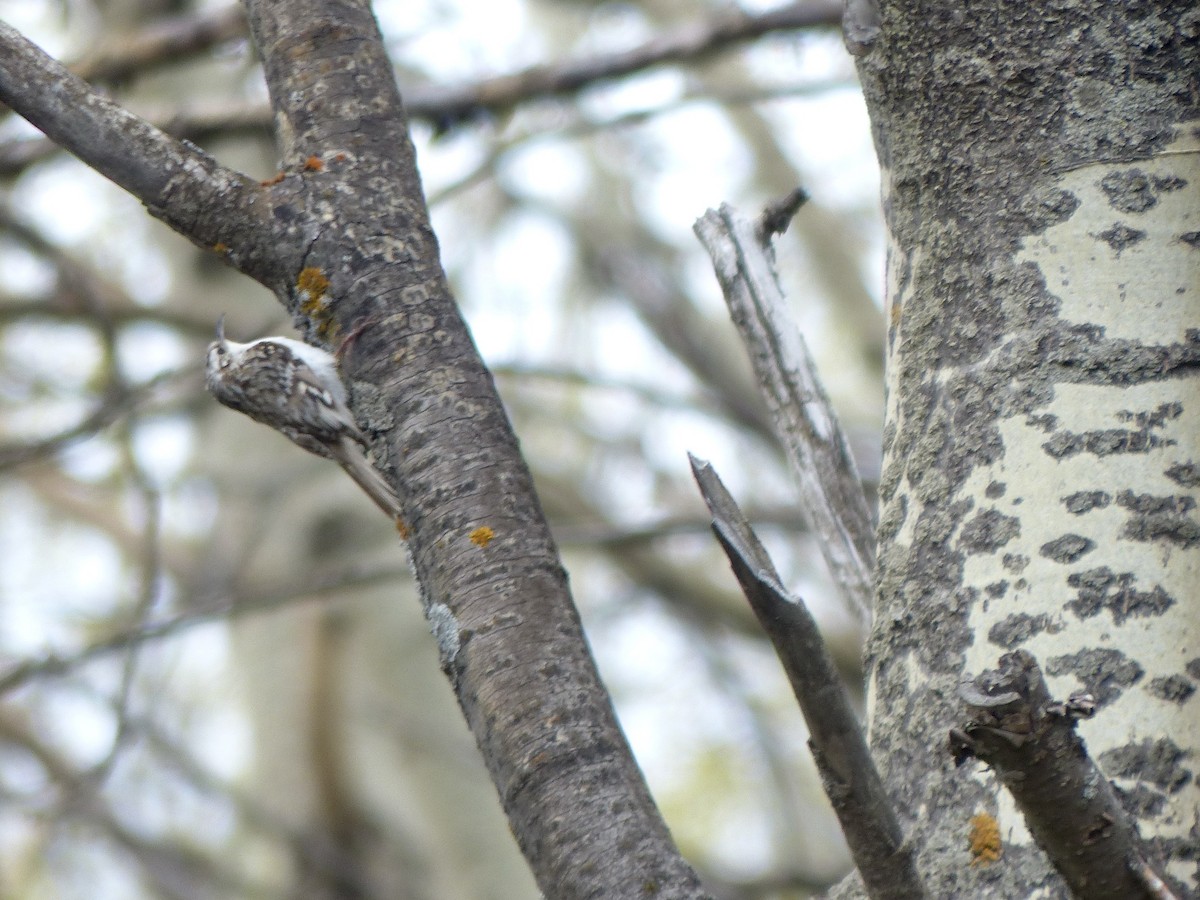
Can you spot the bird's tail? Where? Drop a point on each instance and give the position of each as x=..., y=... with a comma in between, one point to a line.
x=367, y=477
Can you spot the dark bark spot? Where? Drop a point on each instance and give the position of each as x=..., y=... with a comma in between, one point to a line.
x=1149, y=504
x=1160, y=518
x=1181, y=532
x=1129, y=191
x=988, y=532
x=1105, y=674
x=1159, y=763
x=1166, y=183
x=995, y=490
x=1141, y=802
x=1067, y=548
x=996, y=589
x=1172, y=688
x=1152, y=504
x=1193, y=667
x=1015, y=562
x=1017, y=629
x=1085, y=501
x=1108, y=442
x=1153, y=418
x=1101, y=589
x=1046, y=422
x=1121, y=237
x=1191, y=238
x=1184, y=474
x=1057, y=207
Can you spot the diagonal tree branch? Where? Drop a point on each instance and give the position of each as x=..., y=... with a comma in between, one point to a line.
x=178, y=183
x=838, y=745
x=805, y=422
x=163, y=42
x=493, y=587
x=693, y=41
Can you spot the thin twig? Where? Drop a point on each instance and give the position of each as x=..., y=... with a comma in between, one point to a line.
x=167, y=41
x=178, y=182
x=201, y=611
x=690, y=42
x=117, y=403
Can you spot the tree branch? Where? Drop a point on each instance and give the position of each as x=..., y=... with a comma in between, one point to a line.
x=493, y=587
x=1072, y=811
x=163, y=42
x=446, y=106
x=449, y=106
x=177, y=182
x=839, y=748
x=805, y=422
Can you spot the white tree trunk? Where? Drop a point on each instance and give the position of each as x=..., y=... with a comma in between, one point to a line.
x=1042, y=441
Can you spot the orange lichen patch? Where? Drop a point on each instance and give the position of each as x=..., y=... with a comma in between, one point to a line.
x=313, y=164
x=482, y=536
x=984, y=839
x=220, y=248
x=402, y=529
x=270, y=181
x=340, y=157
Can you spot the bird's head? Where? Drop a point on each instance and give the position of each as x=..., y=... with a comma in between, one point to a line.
x=220, y=356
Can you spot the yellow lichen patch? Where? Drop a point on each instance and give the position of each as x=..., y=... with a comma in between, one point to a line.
x=327, y=328
x=482, y=536
x=402, y=529
x=984, y=839
x=313, y=307
x=311, y=285
x=220, y=248
x=313, y=164
x=312, y=281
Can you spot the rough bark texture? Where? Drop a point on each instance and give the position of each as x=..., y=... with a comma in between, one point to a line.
x=1041, y=187
x=494, y=590
x=342, y=237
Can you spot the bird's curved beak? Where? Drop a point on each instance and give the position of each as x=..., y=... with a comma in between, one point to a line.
x=221, y=328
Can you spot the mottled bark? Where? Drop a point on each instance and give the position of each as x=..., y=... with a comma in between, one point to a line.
x=494, y=590
x=1041, y=185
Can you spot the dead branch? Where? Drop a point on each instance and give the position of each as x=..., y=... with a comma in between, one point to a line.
x=838, y=745
x=805, y=422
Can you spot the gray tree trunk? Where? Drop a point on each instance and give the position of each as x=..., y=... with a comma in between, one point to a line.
x=1041, y=181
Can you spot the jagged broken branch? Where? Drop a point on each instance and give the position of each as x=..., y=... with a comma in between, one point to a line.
x=838, y=745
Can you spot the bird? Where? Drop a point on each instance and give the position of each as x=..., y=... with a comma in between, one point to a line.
x=296, y=389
